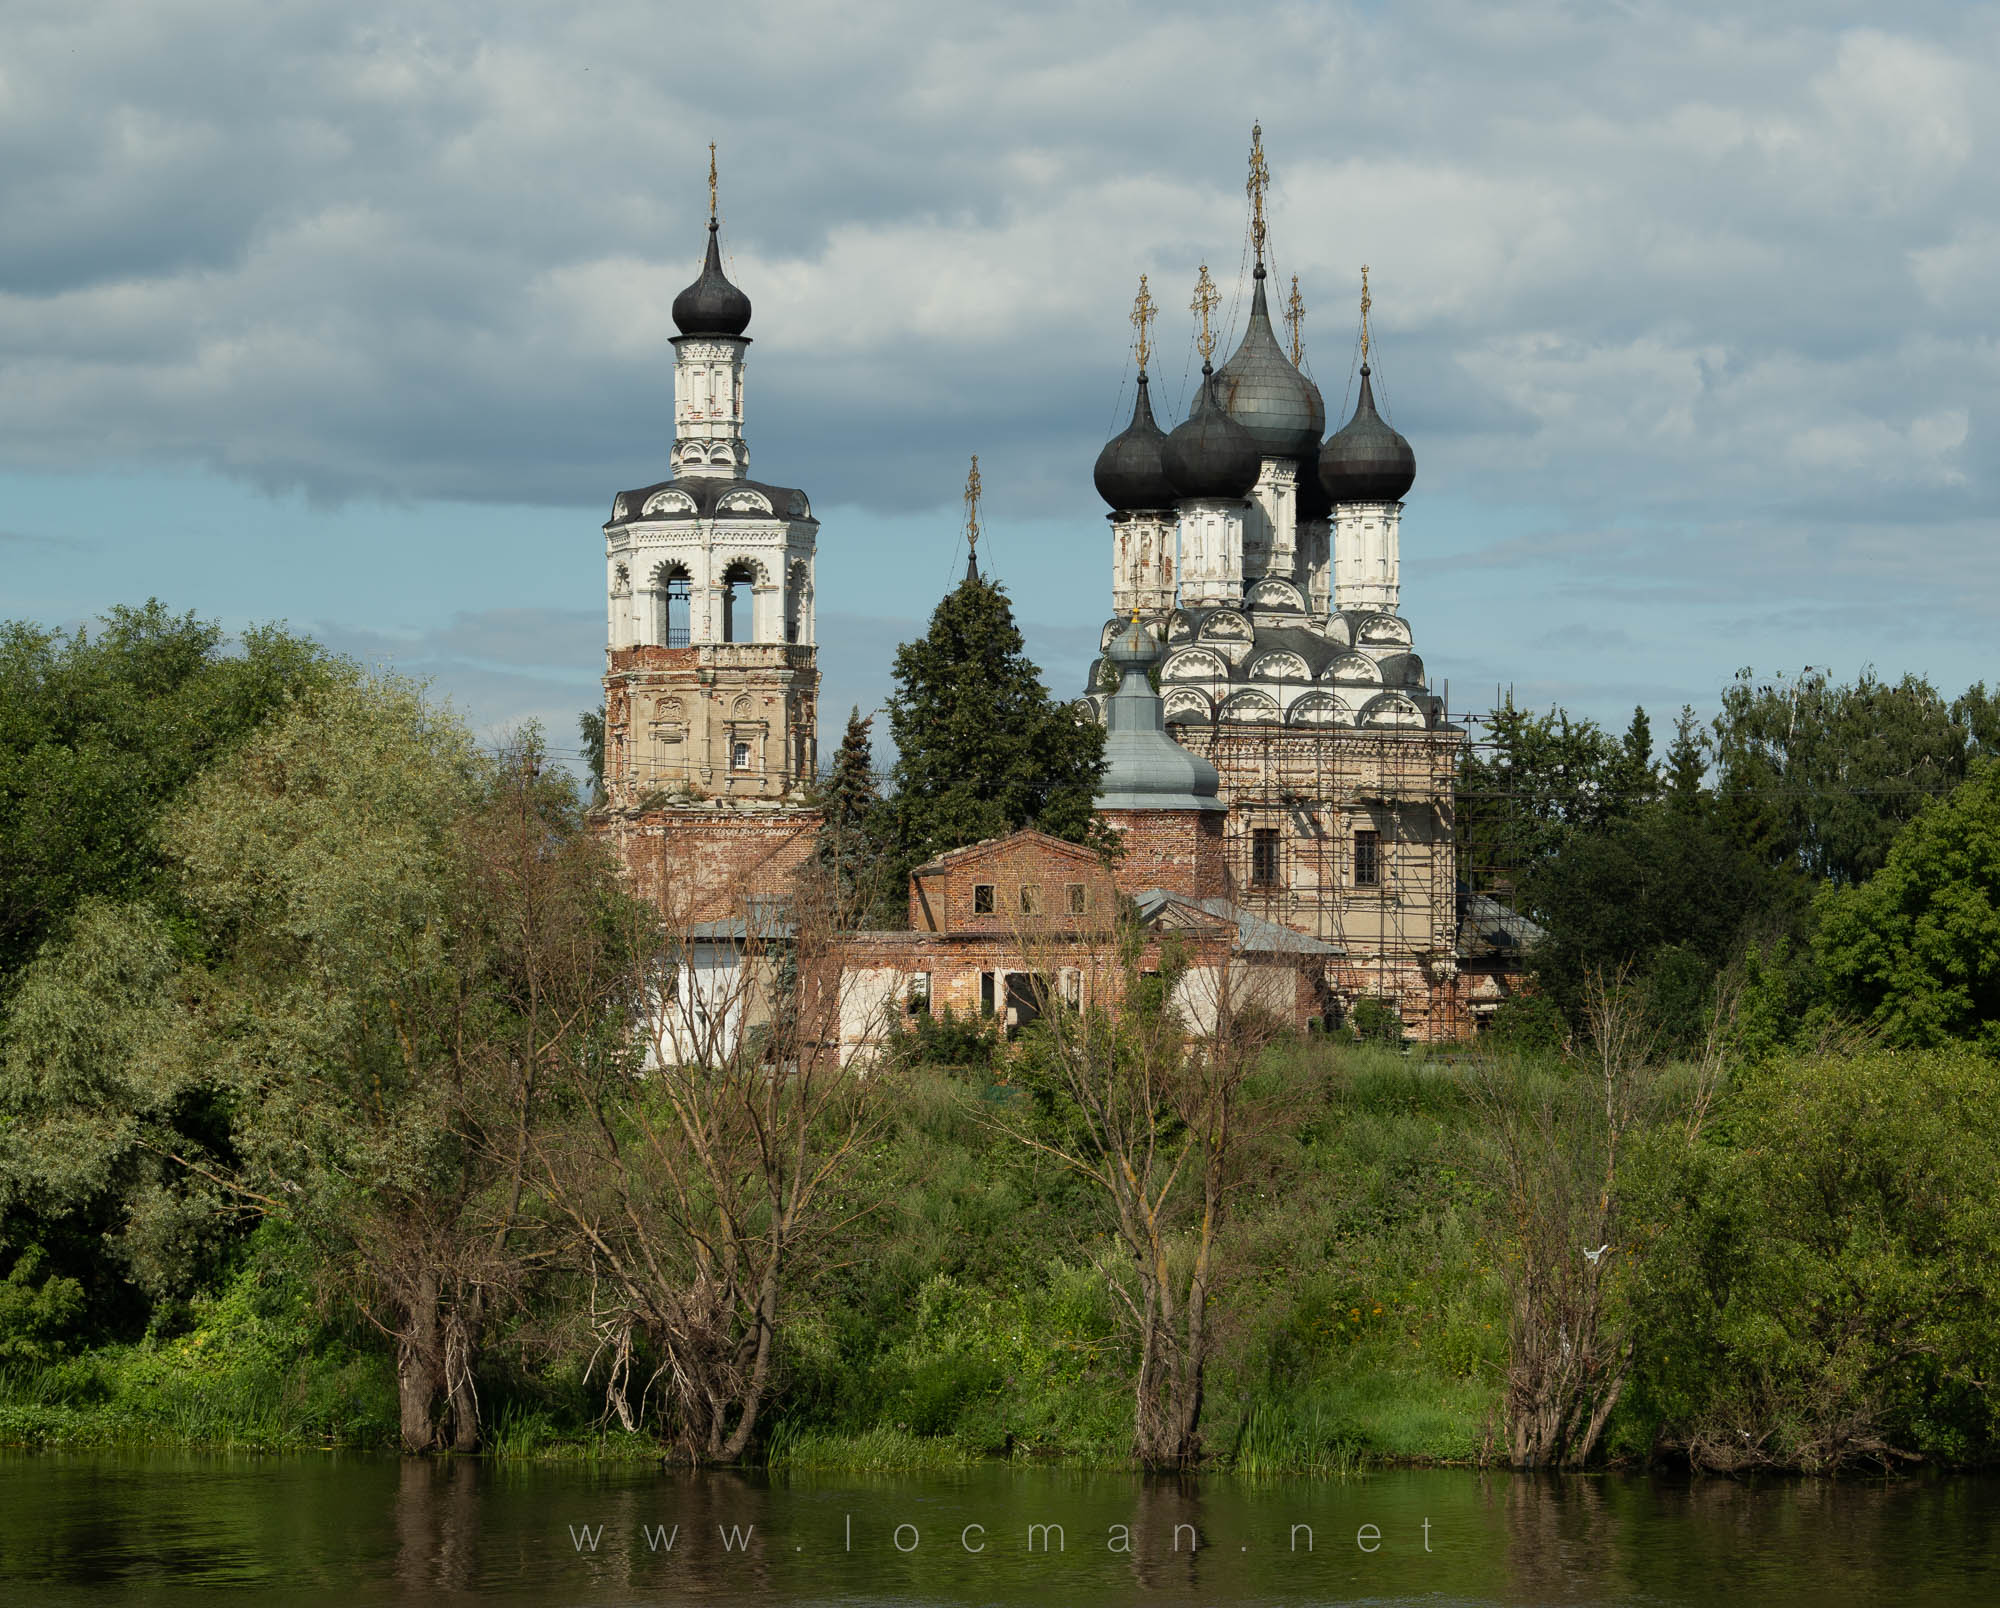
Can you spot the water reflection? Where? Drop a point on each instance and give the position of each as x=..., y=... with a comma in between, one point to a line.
x=359, y=1531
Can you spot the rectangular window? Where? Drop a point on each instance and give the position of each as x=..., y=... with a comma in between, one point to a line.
x=982, y=898
x=1072, y=988
x=1368, y=859
x=1079, y=898
x=1031, y=898
x=986, y=993
x=1264, y=857
x=920, y=994
x=739, y=756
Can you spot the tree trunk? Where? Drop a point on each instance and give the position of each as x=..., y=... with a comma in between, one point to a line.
x=419, y=1366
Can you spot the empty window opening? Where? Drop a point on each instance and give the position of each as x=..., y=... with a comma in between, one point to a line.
x=1368, y=859
x=1031, y=898
x=737, y=624
x=674, y=609
x=920, y=994
x=1079, y=898
x=986, y=993
x=1264, y=857
x=795, y=584
x=982, y=898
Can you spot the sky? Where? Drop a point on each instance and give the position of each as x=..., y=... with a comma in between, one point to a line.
x=356, y=315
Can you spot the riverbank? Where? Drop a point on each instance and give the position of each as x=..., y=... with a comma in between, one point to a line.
x=1809, y=1284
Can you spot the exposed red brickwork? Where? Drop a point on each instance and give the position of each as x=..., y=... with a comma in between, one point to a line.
x=1179, y=850
x=706, y=864
x=943, y=894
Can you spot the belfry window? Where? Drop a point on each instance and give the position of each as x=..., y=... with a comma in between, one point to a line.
x=674, y=608
x=737, y=623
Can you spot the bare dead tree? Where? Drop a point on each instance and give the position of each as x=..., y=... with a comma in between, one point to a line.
x=1142, y=1080
x=1558, y=1146
x=702, y=1164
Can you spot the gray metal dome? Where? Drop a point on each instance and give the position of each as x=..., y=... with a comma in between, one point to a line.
x=1262, y=390
x=712, y=305
x=1130, y=473
x=1144, y=768
x=1210, y=454
x=1365, y=460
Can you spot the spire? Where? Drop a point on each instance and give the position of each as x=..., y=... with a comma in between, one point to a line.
x=1143, y=311
x=1259, y=182
x=1295, y=322
x=1206, y=299
x=1366, y=303
x=972, y=521
x=712, y=305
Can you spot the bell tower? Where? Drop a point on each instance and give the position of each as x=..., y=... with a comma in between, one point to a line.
x=711, y=683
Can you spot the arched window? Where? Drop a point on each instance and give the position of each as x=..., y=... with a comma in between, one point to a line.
x=674, y=607
x=737, y=624
x=795, y=586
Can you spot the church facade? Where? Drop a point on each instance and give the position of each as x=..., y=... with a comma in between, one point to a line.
x=1292, y=774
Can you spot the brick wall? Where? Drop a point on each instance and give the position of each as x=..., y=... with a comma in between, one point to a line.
x=705, y=864
x=942, y=894
x=1179, y=850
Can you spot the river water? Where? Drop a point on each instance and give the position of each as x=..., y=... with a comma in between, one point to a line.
x=355, y=1530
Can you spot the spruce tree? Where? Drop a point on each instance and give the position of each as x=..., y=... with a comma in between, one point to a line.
x=981, y=747
x=847, y=801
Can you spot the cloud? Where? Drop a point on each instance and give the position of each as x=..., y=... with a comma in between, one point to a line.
x=1700, y=293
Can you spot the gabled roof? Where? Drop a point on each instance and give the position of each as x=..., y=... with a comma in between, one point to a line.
x=1254, y=935
x=954, y=858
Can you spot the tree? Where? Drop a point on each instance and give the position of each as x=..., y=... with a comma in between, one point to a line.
x=1687, y=765
x=97, y=737
x=698, y=1169
x=1820, y=776
x=981, y=747
x=1147, y=1101
x=380, y=945
x=1911, y=950
x=848, y=800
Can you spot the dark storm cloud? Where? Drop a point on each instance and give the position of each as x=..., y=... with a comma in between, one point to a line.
x=1643, y=262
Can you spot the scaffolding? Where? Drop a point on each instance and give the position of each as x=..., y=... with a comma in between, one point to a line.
x=1353, y=835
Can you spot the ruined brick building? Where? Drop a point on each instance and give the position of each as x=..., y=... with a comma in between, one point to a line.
x=1286, y=794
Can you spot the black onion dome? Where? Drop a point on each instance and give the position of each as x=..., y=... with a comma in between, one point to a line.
x=1313, y=502
x=1130, y=473
x=1263, y=390
x=1210, y=454
x=711, y=305
x=1365, y=460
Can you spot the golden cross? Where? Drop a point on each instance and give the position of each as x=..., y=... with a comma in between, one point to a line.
x=711, y=178
x=1142, y=320
x=1366, y=303
x=1260, y=181
x=972, y=507
x=1206, y=299
x=1295, y=321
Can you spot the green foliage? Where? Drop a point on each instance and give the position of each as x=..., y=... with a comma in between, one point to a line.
x=99, y=734
x=1822, y=1282
x=590, y=727
x=1377, y=1021
x=1528, y=1024
x=981, y=747
x=848, y=849
x=38, y=1310
x=1820, y=776
x=1911, y=950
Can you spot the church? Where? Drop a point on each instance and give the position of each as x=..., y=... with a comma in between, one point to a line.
x=1283, y=797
